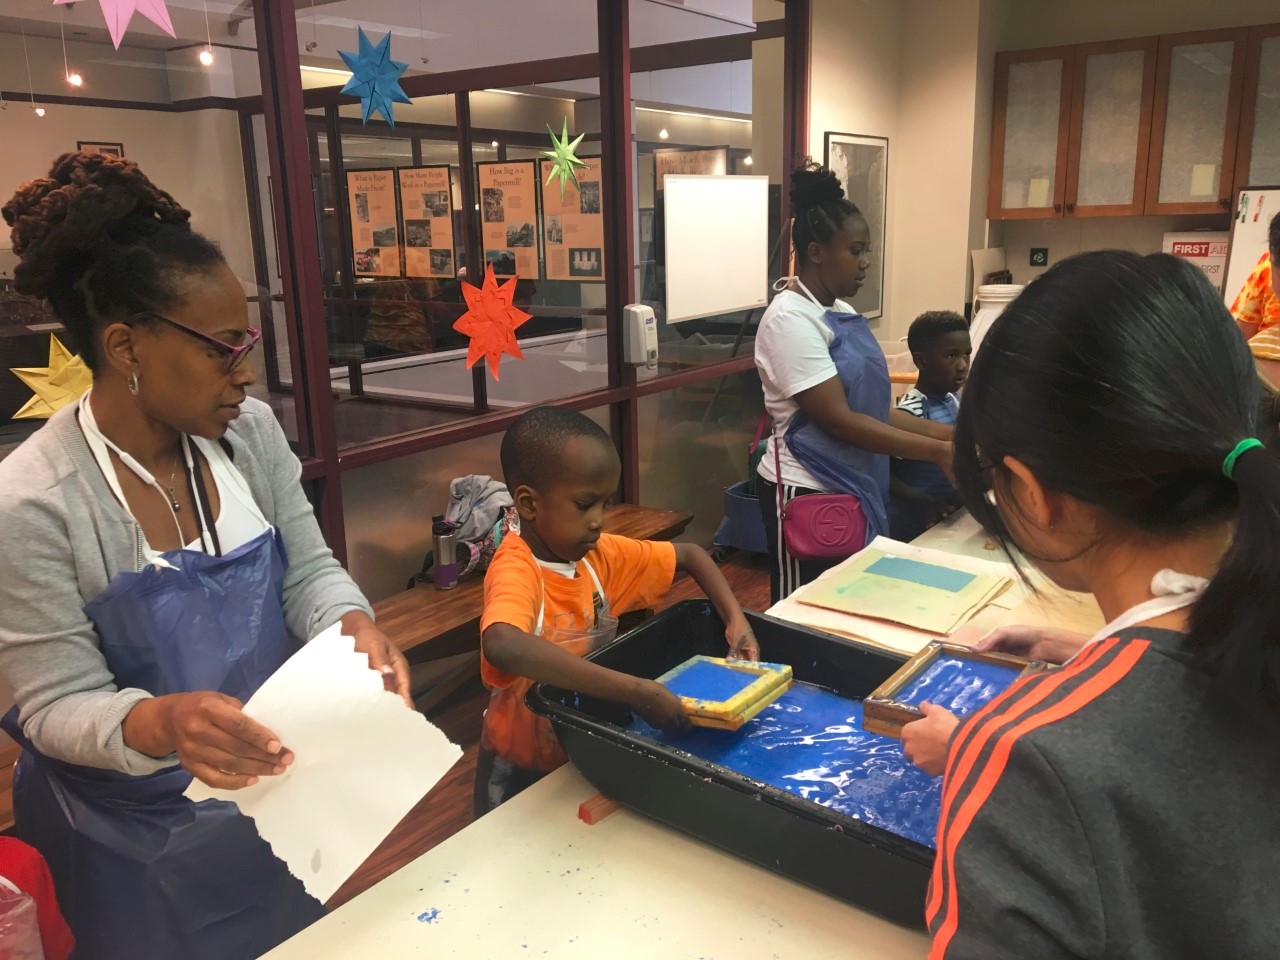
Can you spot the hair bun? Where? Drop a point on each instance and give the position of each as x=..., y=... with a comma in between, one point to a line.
x=69, y=214
x=813, y=185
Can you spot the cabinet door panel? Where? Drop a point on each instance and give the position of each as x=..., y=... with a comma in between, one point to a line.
x=1029, y=143
x=1199, y=83
x=1111, y=128
x=1258, y=163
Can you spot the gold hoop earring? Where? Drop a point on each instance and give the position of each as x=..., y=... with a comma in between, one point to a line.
x=133, y=384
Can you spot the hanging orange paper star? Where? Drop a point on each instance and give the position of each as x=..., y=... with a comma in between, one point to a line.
x=491, y=321
x=61, y=382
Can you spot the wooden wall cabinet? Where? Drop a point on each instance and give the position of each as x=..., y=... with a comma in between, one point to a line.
x=1258, y=156
x=1196, y=122
x=1029, y=134
x=1071, y=130
x=1155, y=125
x=1110, y=128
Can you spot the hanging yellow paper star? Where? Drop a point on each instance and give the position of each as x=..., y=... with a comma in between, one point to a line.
x=490, y=321
x=63, y=381
x=563, y=160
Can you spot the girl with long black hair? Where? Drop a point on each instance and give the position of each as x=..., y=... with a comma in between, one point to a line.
x=1122, y=806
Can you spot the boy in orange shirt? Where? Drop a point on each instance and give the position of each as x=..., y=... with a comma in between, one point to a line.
x=555, y=589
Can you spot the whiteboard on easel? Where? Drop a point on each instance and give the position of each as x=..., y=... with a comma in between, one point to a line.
x=717, y=245
x=1254, y=209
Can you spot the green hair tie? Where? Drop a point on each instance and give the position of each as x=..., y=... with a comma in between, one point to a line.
x=1229, y=464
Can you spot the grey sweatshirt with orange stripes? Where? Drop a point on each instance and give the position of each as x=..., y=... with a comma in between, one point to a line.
x=1108, y=810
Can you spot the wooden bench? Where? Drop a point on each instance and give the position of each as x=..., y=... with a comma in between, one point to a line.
x=439, y=630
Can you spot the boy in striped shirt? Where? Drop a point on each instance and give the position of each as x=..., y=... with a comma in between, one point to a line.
x=921, y=493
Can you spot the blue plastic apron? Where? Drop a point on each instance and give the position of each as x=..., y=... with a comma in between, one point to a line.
x=840, y=467
x=141, y=871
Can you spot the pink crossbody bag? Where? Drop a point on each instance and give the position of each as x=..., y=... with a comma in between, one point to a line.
x=820, y=526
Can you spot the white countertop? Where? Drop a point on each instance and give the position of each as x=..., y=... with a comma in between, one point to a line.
x=532, y=880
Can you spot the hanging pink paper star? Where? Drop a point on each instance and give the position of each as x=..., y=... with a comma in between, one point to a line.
x=118, y=13
x=491, y=321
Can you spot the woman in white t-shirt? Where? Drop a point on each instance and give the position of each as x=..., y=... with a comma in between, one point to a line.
x=825, y=380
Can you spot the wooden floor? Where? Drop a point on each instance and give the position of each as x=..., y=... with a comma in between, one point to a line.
x=447, y=808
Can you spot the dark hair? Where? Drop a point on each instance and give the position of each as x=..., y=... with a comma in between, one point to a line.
x=1268, y=415
x=929, y=326
x=818, y=206
x=533, y=449
x=1273, y=236
x=1122, y=381
x=101, y=242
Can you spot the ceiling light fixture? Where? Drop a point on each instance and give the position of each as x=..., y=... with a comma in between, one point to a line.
x=72, y=78
x=662, y=134
x=700, y=116
x=31, y=91
x=315, y=39
x=748, y=161
x=522, y=93
x=206, y=55
x=332, y=70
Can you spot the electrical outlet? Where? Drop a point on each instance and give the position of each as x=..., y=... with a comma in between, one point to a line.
x=1039, y=256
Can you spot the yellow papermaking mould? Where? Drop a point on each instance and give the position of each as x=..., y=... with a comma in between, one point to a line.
x=725, y=694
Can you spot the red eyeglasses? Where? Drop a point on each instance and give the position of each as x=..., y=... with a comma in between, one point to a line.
x=234, y=354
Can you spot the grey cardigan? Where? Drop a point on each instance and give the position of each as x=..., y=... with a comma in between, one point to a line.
x=64, y=535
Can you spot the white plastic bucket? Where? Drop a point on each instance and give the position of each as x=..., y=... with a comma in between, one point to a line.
x=989, y=302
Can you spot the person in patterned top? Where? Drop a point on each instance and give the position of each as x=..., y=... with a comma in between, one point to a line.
x=1257, y=308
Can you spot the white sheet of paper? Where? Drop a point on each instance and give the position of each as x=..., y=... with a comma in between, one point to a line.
x=1038, y=192
x=986, y=261
x=362, y=760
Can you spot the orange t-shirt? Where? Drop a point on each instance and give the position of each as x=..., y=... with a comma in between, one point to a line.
x=633, y=574
x=1257, y=304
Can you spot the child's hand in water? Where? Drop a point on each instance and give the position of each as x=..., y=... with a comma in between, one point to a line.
x=926, y=742
x=660, y=707
x=742, y=642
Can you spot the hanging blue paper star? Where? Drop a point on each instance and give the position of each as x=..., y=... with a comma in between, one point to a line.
x=375, y=77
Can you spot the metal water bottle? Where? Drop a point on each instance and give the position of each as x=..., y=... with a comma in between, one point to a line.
x=444, y=548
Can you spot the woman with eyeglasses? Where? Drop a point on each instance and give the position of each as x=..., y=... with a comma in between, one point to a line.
x=160, y=561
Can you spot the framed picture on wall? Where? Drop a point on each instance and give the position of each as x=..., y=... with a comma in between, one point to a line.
x=861, y=163
x=91, y=146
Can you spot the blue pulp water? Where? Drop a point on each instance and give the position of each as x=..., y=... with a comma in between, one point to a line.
x=962, y=686
x=810, y=742
x=710, y=681
x=925, y=574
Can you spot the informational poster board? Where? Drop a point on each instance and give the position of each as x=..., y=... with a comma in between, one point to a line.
x=573, y=226
x=1255, y=206
x=426, y=221
x=375, y=222
x=509, y=216
x=703, y=163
